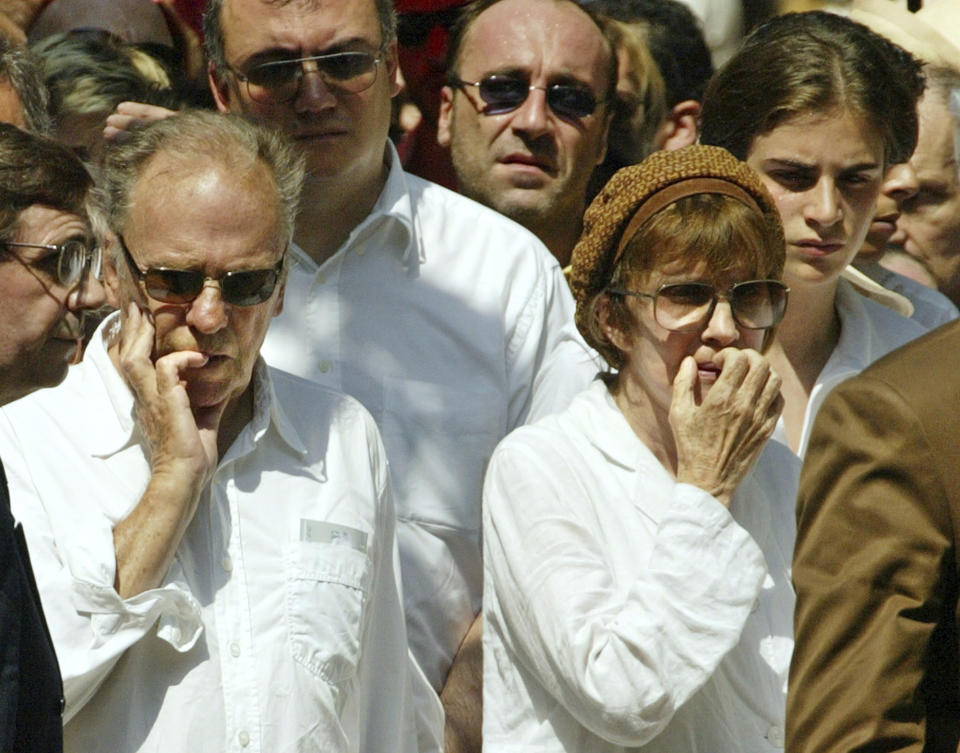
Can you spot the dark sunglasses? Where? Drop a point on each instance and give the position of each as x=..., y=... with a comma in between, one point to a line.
x=279, y=81
x=244, y=287
x=688, y=306
x=506, y=93
x=414, y=28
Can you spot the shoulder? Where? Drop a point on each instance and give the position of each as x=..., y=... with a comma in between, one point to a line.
x=880, y=328
x=311, y=406
x=444, y=214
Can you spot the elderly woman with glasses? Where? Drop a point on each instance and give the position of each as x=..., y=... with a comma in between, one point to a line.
x=637, y=546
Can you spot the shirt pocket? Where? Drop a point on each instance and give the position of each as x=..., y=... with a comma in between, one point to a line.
x=327, y=590
x=438, y=440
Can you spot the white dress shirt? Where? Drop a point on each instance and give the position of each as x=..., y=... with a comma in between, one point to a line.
x=623, y=609
x=868, y=331
x=278, y=626
x=452, y=325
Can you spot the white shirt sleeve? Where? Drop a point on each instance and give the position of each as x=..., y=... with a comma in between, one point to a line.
x=90, y=623
x=620, y=654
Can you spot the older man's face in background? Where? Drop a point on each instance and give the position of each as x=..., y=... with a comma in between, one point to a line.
x=929, y=223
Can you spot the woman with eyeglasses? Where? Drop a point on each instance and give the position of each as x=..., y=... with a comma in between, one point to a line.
x=820, y=107
x=637, y=545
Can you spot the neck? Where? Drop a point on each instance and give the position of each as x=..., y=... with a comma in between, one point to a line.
x=236, y=415
x=329, y=211
x=560, y=234
x=649, y=423
x=810, y=330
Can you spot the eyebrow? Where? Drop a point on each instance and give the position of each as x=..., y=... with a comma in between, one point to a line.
x=797, y=165
x=277, y=54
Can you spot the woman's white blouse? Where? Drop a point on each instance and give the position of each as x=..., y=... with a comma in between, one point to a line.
x=623, y=609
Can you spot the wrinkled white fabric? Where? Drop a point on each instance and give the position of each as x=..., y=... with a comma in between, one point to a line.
x=623, y=609
x=265, y=635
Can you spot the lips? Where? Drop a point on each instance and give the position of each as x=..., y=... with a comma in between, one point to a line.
x=817, y=247
x=522, y=159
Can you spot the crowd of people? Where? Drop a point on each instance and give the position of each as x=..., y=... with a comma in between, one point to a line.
x=540, y=375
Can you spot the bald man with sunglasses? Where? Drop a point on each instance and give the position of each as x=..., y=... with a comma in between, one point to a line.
x=213, y=539
x=527, y=109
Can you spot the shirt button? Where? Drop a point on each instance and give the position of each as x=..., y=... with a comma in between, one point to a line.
x=243, y=738
x=234, y=649
x=324, y=367
x=775, y=736
x=227, y=563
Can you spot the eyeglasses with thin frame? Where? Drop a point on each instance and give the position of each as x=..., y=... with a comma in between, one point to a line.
x=688, y=306
x=243, y=287
x=280, y=81
x=75, y=259
x=503, y=93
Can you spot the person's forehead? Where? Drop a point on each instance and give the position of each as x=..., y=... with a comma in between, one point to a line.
x=935, y=143
x=253, y=26
x=43, y=224
x=208, y=210
x=540, y=36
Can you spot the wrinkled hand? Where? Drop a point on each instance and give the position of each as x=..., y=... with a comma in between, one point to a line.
x=719, y=440
x=181, y=443
x=132, y=115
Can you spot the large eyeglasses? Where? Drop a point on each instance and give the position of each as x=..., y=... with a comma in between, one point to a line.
x=75, y=259
x=279, y=81
x=688, y=306
x=506, y=93
x=244, y=287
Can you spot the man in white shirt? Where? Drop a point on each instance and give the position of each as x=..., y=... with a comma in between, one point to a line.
x=451, y=324
x=213, y=539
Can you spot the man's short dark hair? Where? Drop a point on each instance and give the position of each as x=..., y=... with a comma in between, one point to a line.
x=23, y=71
x=215, y=46
x=37, y=170
x=675, y=39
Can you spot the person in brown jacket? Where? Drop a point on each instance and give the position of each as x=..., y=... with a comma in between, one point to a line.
x=875, y=667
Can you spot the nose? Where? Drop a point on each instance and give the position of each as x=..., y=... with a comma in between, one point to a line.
x=89, y=293
x=721, y=330
x=314, y=94
x=823, y=203
x=207, y=313
x=900, y=183
x=532, y=116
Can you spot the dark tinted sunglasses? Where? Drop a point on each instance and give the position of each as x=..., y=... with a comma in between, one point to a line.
x=506, y=93
x=244, y=287
x=414, y=28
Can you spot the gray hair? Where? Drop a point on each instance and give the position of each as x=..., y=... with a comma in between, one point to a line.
x=194, y=135
x=24, y=72
x=215, y=46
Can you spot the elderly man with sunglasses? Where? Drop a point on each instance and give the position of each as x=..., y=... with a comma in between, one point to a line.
x=213, y=539
x=527, y=109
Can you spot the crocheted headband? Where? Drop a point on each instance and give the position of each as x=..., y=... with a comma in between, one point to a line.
x=636, y=193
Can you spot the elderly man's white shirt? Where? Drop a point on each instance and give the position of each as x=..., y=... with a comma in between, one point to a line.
x=623, y=609
x=452, y=325
x=868, y=331
x=279, y=625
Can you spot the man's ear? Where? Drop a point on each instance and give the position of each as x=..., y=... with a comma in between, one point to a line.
x=445, y=116
x=111, y=276
x=681, y=127
x=392, y=64
x=220, y=87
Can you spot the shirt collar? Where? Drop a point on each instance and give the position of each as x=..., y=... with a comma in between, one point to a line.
x=108, y=439
x=856, y=347
x=607, y=428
